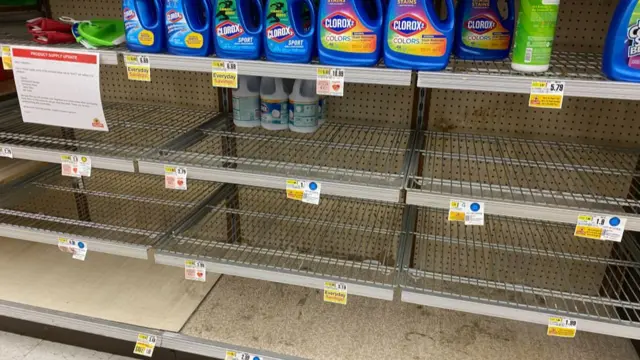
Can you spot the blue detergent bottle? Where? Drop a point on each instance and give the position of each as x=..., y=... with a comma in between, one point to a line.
x=288, y=36
x=621, y=55
x=349, y=32
x=188, y=27
x=238, y=29
x=143, y=25
x=415, y=36
x=481, y=31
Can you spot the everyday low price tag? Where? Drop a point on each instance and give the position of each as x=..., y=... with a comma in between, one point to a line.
x=562, y=327
x=335, y=292
x=138, y=67
x=600, y=227
x=236, y=355
x=75, y=165
x=330, y=81
x=78, y=249
x=547, y=94
x=145, y=345
x=175, y=177
x=224, y=74
x=305, y=191
x=195, y=270
x=7, y=63
x=471, y=212
x=6, y=152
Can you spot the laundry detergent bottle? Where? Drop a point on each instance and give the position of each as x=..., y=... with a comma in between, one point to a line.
x=481, y=31
x=238, y=29
x=621, y=55
x=289, y=30
x=143, y=25
x=415, y=36
x=349, y=32
x=188, y=25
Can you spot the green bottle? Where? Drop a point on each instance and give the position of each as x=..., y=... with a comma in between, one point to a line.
x=533, y=39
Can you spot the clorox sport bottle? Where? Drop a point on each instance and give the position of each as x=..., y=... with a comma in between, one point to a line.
x=144, y=25
x=188, y=27
x=287, y=37
x=481, y=32
x=238, y=29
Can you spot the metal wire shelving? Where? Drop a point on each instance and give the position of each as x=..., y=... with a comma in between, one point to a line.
x=532, y=179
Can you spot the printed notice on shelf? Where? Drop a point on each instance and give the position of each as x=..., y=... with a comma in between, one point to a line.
x=237, y=355
x=600, y=227
x=78, y=249
x=330, y=81
x=562, y=327
x=6, y=58
x=6, y=152
x=75, y=165
x=59, y=88
x=138, y=67
x=175, y=177
x=305, y=191
x=195, y=270
x=224, y=74
x=471, y=212
x=335, y=292
x=547, y=94
x=145, y=345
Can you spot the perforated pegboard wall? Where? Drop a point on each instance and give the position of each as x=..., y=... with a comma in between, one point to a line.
x=583, y=25
x=86, y=9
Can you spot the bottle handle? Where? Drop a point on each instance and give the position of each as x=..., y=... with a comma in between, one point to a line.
x=312, y=10
x=258, y=5
x=511, y=13
x=450, y=14
x=207, y=13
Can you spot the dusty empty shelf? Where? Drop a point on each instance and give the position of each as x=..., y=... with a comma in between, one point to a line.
x=258, y=233
x=526, y=178
x=113, y=212
x=524, y=270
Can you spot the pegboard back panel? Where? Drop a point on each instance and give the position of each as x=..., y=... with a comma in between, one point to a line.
x=86, y=9
x=583, y=25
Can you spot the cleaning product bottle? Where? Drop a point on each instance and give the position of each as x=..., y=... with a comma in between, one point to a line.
x=415, y=36
x=350, y=32
x=533, y=38
x=322, y=110
x=188, y=27
x=621, y=55
x=274, y=104
x=303, y=107
x=143, y=25
x=246, y=102
x=481, y=32
x=287, y=37
x=238, y=29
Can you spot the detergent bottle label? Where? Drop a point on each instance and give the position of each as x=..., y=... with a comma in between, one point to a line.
x=482, y=27
x=303, y=114
x=178, y=30
x=633, y=35
x=229, y=30
x=136, y=34
x=341, y=30
x=281, y=37
x=412, y=33
x=274, y=111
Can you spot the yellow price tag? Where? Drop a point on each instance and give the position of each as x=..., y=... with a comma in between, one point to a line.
x=224, y=74
x=145, y=345
x=547, y=94
x=7, y=63
x=562, y=327
x=138, y=67
x=335, y=292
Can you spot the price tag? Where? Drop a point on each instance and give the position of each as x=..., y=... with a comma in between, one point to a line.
x=471, y=212
x=7, y=64
x=305, y=191
x=6, y=152
x=145, y=345
x=330, y=81
x=195, y=270
x=138, y=67
x=224, y=74
x=547, y=94
x=75, y=165
x=562, y=327
x=175, y=177
x=78, y=249
x=600, y=227
x=335, y=292
x=236, y=355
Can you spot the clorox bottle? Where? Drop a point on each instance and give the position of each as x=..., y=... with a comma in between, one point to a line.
x=188, y=25
x=238, y=29
x=621, y=55
x=303, y=107
x=350, y=32
x=274, y=104
x=143, y=25
x=415, y=36
x=287, y=37
x=481, y=32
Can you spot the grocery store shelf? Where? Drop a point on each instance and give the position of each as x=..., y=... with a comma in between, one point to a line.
x=258, y=233
x=580, y=71
x=524, y=270
x=348, y=160
x=532, y=179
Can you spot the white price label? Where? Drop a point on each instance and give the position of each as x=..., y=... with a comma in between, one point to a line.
x=195, y=270
x=6, y=58
x=330, y=81
x=145, y=345
x=75, y=165
x=175, y=177
x=138, y=67
x=547, y=94
x=302, y=190
x=562, y=327
x=471, y=212
x=600, y=227
x=238, y=355
x=78, y=249
x=6, y=152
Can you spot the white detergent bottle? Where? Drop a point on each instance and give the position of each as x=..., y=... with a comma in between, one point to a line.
x=322, y=110
x=303, y=107
x=246, y=102
x=288, y=85
x=274, y=103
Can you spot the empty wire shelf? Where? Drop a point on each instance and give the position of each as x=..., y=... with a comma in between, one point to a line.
x=523, y=270
x=526, y=178
x=114, y=212
x=258, y=233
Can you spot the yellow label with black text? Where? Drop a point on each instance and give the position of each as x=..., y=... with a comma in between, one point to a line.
x=224, y=74
x=7, y=63
x=194, y=40
x=335, y=292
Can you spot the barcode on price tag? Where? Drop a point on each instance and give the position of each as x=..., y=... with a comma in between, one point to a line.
x=75, y=165
x=6, y=152
x=138, y=67
x=330, y=81
x=145, y=345
x=175, y=177
x=224, y=74
x=547, y=94
x=600, y=227
x=562, y=327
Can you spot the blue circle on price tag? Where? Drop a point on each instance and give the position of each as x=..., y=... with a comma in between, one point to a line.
x=475, y=207
x=313, y=186
x=614, y=221
x=80, y=244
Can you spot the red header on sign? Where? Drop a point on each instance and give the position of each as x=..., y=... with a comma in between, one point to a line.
x=55, y=55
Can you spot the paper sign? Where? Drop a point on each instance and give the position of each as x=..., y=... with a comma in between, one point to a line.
x=600, y=227
x=224, y=74
x=562, y=327
x=6, y=58
x=547, y=94
x=235, y=355
x=305, y=191
x=195, y=270
x=335, y=292
x=175, y=177
x=75, y=165
x=78, y=249
x=59, y=88
x=6, y=152
x=330, y=81
x=471, y=212
x=138, y=67
x=145, y=345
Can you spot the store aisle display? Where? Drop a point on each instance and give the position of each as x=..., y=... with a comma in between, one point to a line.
x=481, y=31
x=621, y=55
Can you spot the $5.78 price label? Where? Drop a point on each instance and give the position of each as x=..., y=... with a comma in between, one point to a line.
x=547, y=94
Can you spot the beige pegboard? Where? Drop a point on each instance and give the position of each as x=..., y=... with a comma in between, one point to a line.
x=86, y=9
x=583, y=25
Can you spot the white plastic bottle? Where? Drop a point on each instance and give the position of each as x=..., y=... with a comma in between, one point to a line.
x=274, y=103
x=303, y=107
x=322, y=110
x=246, y=102
x=288, y=85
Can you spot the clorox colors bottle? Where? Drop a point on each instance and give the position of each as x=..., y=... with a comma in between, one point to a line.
x=415, y=36
x=143, y=25
x=287, y=37
x=238, y=29
x=188, y=27
x=481, y=32
x=621, y=55
x=349, y=32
